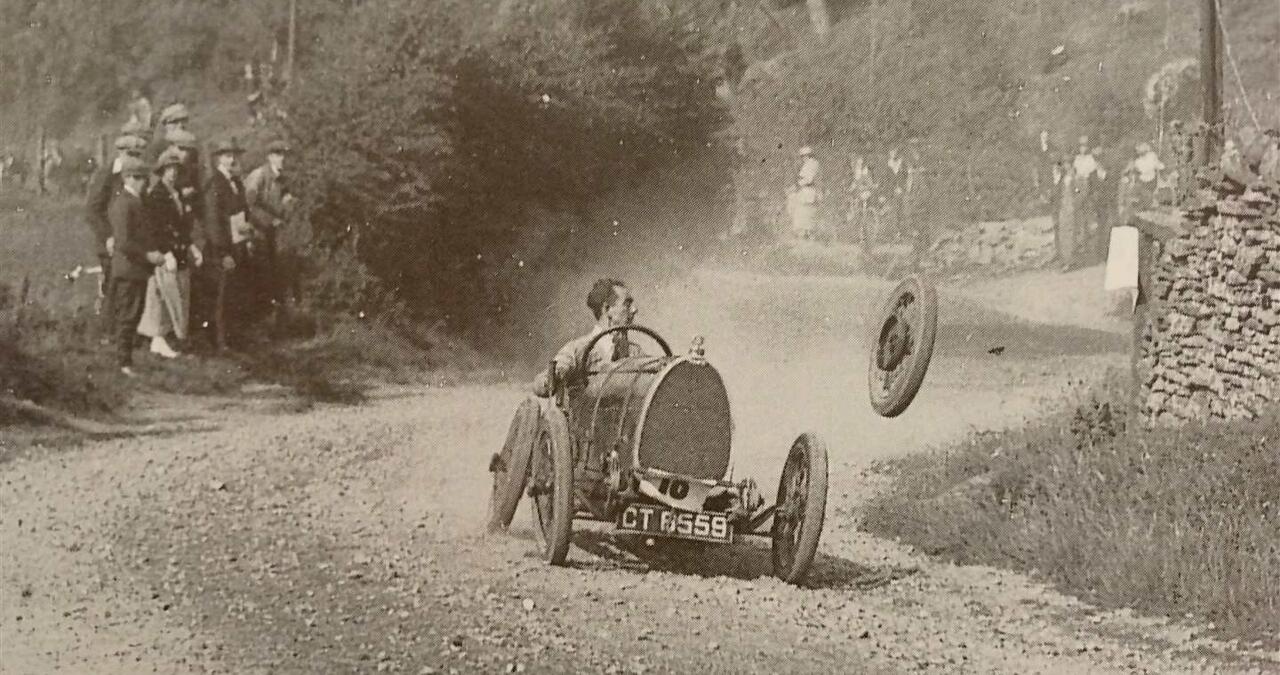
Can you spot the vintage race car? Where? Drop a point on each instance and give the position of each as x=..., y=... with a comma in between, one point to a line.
x=644, y=444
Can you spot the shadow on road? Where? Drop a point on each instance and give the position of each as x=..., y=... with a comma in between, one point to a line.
x=744, y=560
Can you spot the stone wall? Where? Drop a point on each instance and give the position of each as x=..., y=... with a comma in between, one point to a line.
x=1211, y=348
x=995, y=246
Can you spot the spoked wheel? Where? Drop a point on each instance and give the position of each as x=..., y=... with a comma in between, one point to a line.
x=552, y=487
x=903, y=345
x=510, y=467
x=800, y=509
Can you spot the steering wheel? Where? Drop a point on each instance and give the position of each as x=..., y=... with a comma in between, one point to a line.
x=586, y=353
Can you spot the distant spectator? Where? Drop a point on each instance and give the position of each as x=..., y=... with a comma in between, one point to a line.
x=1069, y=230
x=189, y=178
x=172, y=118
x=921, y=228
x=862, y=216
x=1105, y=193
x=1268, y=165
x=227, y=234
x=140, y=108
x=104, y=185
x=1058, y=172
x=50, y=163
x=1084, y=164
x=896, y=183
x=133, y=261
x=803, y=196
x=1147, y=163
x=169, y=219
x=270, y=203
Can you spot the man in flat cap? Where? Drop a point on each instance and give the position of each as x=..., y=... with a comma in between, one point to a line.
x=227, y=233
x=103, y=186
x=270, y=205
x=172, y=118
x=133, y=260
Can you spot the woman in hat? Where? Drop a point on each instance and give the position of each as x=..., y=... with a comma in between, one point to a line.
x=170, y=217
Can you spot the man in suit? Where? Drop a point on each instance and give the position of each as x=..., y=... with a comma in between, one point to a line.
x=103, y=186
x=133, y=259
x=227, y=237
x=270, y=205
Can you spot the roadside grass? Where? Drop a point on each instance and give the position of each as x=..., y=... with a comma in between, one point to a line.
x=1168, y=521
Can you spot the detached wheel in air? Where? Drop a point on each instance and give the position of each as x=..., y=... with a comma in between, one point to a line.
x=800, y=508
x=551, y=487
x=902, y=345
x=510, y=466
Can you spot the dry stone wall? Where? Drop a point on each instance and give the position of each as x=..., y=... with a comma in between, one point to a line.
x=1212, y=346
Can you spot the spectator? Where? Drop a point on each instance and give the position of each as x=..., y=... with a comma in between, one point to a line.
x=804, y=195
x=170, y=217
x=105, y=183
x=1105, y=193
x=1147, y=168
x=133, y=260
x=1068, y=218
x=897, y=184
x=227, y=234
x=140, y=108
x=270, y=204
x=861, y=215
x=51, y=160
x=1084, y=164
x=183, y=142
x=173, y=118
x=1268, y=164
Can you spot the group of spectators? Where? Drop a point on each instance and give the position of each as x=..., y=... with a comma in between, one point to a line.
x=1088, y=192
x=185, y=247
x=875, y=205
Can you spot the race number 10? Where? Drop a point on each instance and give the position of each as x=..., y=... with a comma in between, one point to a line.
x=674, y=488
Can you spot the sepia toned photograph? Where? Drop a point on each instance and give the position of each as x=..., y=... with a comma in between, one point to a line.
x=616, y=337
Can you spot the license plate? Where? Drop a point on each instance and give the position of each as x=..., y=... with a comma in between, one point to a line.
x=665, y=522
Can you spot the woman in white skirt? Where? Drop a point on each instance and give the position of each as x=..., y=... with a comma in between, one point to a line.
x=170, y=217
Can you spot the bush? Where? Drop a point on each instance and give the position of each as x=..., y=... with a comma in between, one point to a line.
x=67, y=377
x=1165, y=520
x=429, y=136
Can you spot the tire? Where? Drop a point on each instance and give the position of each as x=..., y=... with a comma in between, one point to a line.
x=902, y=345
x=510, y=467
x=551, y=487
x=800, y=508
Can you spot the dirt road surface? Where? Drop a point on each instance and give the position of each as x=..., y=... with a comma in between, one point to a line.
x=349, y=539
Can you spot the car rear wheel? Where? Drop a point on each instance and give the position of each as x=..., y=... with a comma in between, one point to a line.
x=552, y=487
x=902, y=346
x=510, y=467
x=800, y=508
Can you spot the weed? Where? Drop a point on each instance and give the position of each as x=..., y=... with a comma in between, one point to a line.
x=1164, y=520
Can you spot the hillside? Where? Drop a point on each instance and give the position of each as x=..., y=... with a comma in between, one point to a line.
x=976, y=83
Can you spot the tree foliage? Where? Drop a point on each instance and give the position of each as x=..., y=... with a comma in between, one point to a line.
x=427, y=134
x=60, y=59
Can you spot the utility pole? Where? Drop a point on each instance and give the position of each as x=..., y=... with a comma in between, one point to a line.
x=293, y=40
x=1211, y=78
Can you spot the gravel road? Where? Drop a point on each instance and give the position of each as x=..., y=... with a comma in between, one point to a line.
x=348, y=539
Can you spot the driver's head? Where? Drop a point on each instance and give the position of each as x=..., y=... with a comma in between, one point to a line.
x=611, y=302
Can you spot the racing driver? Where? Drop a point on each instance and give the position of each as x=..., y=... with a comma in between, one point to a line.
x=611, y=302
